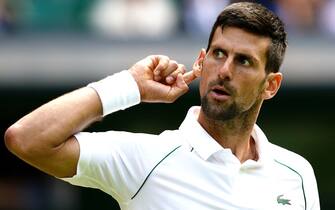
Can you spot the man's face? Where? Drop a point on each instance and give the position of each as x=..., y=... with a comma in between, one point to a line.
x=233, y=74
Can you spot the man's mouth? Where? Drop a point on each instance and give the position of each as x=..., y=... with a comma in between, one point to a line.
x=220, y=90
x=219, y=93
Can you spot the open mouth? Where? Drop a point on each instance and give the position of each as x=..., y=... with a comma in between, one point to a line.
x=220, y=92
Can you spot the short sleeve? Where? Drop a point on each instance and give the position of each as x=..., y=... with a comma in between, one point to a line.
x=114, y=162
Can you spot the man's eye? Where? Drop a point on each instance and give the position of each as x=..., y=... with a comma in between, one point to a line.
x=244, y=61
x=218, y=53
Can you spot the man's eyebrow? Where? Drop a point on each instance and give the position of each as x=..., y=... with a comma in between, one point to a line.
x=215, y=46
x=248, y=56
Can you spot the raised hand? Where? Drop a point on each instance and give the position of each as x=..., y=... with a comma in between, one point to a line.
x=161, y=79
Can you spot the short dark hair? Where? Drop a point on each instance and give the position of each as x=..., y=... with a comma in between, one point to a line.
x=256, y=19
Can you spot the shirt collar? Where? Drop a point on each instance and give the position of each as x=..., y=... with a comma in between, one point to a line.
x=206, y=146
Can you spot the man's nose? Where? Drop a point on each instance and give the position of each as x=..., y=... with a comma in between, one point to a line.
x=226, y=69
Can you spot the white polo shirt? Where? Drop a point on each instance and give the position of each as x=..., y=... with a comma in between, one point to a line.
x=186, y=169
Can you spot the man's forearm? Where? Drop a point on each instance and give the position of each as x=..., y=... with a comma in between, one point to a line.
x=52, y=124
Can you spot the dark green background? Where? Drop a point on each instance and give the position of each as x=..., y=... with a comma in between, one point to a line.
x=298, y=118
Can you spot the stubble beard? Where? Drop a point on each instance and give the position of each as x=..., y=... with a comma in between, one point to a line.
x=228, y=110
x=218, y=111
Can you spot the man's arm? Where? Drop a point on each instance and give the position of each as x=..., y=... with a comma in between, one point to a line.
x=44, y=138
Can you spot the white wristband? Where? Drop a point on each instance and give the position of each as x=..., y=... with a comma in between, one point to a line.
x=116, y=92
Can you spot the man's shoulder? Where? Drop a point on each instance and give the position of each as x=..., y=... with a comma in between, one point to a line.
x=170, y=139
x=290, y=160
x=159, y=144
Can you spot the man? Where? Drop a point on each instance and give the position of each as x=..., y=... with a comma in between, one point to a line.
x=218, y=158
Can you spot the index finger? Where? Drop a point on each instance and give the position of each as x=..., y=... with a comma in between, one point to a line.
x=189, y=77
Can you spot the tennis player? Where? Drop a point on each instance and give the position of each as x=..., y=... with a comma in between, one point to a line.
x=217, y=159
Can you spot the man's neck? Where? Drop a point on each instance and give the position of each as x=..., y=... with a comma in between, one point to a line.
x=234, y=134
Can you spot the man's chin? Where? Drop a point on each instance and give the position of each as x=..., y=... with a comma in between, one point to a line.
x=219, y=113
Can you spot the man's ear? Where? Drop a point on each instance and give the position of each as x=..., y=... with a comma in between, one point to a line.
x=197, y=66
x=273, y=82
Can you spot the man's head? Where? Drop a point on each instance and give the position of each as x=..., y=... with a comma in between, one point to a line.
x=259, y=20
x=239, y=70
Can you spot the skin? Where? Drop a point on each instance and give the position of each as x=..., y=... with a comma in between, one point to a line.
x=44, y=138
x=235, y=64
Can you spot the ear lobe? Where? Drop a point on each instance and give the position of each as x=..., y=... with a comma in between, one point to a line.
x=273, y=85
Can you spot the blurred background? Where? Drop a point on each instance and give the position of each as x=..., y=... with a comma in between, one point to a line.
x=50, y=47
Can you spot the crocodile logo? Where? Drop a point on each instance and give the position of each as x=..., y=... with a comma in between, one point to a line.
x=281, y=200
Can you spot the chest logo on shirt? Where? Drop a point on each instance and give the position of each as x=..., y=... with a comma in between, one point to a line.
x=281, y=200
